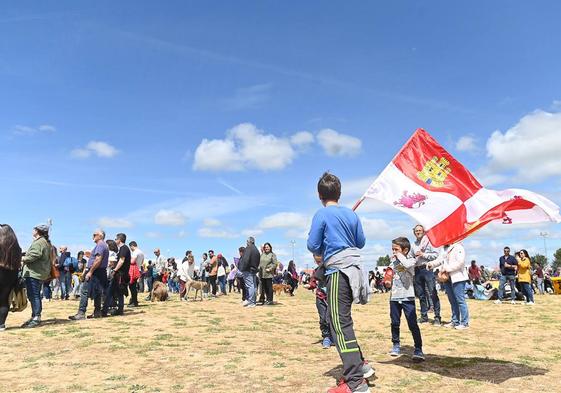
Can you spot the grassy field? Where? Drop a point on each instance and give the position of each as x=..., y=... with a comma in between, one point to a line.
x=217, y=346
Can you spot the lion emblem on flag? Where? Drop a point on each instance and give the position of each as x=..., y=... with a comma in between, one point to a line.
x=411, y=201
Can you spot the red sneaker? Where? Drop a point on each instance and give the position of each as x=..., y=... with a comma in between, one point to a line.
x=342, y=387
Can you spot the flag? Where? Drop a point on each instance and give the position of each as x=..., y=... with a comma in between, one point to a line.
x=426, y=182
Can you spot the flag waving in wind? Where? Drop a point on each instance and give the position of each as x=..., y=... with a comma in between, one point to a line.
x=426, y=182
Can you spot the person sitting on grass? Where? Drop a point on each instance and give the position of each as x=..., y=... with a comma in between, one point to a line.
x=402, y=296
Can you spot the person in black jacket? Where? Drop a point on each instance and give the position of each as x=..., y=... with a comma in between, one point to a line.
x=248, y=266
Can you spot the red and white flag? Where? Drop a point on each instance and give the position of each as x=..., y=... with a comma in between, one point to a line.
x=426, y=182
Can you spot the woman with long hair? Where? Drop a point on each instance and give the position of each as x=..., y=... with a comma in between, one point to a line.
x=525, y=275
x=10, y=263
x=267, y=267
x=36, y=269
x=292, y=277
x=221, y=273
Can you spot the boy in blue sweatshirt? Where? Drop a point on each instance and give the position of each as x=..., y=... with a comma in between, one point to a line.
x=336, y=234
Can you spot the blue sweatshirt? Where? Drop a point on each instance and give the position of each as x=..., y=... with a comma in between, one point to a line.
x=334, y=229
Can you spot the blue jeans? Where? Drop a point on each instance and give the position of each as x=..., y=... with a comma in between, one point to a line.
x=528, y=291
x=425, y=279
x=34, y=295
x=457, y=299
x=408, y=308
x=249, y=282
x=512, y=282
x=65, y=284
x=47, y=291
x=222, y=283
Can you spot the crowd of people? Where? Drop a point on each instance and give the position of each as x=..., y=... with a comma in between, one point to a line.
x=113, y=270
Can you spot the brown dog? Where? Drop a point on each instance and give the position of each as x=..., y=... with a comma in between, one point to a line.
x=280, y=288
x=159, y=292
x=197, y=286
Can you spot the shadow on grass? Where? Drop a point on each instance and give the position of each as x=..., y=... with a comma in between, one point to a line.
x=475, y=368
x=44, y=322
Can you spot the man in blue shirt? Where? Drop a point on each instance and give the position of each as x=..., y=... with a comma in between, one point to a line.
x=507, y=264
x=336, y=234
x=95, y=281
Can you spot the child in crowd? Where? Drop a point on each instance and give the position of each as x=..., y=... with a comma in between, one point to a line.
x=336, y=234
x=403, y=296
x=317, y=282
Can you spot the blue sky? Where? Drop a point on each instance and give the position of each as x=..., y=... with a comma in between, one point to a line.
x=190, y=125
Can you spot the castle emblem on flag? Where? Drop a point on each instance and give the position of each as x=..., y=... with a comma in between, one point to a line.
x=435, y=172
x=411, y=201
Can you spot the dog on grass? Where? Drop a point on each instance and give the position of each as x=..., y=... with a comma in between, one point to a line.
x=197, y=286
x=159, y=292
x=280, y=288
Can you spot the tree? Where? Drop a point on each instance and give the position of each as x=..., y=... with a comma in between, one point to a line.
x=556, y=259
x=538, y=258
x=383, y=261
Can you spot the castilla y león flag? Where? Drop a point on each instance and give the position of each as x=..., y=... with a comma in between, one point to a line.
x=426, y=182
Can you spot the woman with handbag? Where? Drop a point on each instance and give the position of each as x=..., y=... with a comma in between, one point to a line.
x=453, y=277
x=37, y=267
x=10, y=263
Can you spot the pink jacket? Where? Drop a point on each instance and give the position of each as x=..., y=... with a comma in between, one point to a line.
x=453, y=261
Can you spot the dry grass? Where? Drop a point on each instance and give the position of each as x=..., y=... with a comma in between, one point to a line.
x=216, y=346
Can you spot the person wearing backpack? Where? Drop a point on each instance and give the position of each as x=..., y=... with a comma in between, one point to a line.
x=37, y=264
x=10, y=263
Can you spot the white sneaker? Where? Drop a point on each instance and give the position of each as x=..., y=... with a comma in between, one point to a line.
x=498, y=301
x=461, y=327
x=245, y=303
x=530, y=303
x=512, y=302
x=252, y=305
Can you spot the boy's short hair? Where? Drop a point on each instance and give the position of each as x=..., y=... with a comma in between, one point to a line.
x=133, y=244
x=402, y=242
x=329, y=187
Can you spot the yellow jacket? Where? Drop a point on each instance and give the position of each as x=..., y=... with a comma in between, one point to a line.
x=524, y=274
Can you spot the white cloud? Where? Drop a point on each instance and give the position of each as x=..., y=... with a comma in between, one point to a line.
x=336, y=144
x=169, y=218
x=356, y=187
x=530, y=148
x=252, y=232
x=249, y=97
x=285, y=220
x=466, y=143
x=211, y=222
x=97, y=148
x=112, y=222
x=27, y=130
x=375, y=228
x=217, y=233
x=245, y=147
x=153, y=235
x=302, y=139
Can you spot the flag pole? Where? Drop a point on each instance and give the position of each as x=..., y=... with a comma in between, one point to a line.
x=357, y=204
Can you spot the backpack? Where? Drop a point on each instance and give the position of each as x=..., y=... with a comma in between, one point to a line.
x=71, y=263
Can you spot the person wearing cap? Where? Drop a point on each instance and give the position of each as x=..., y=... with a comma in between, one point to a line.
x=36, y=269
